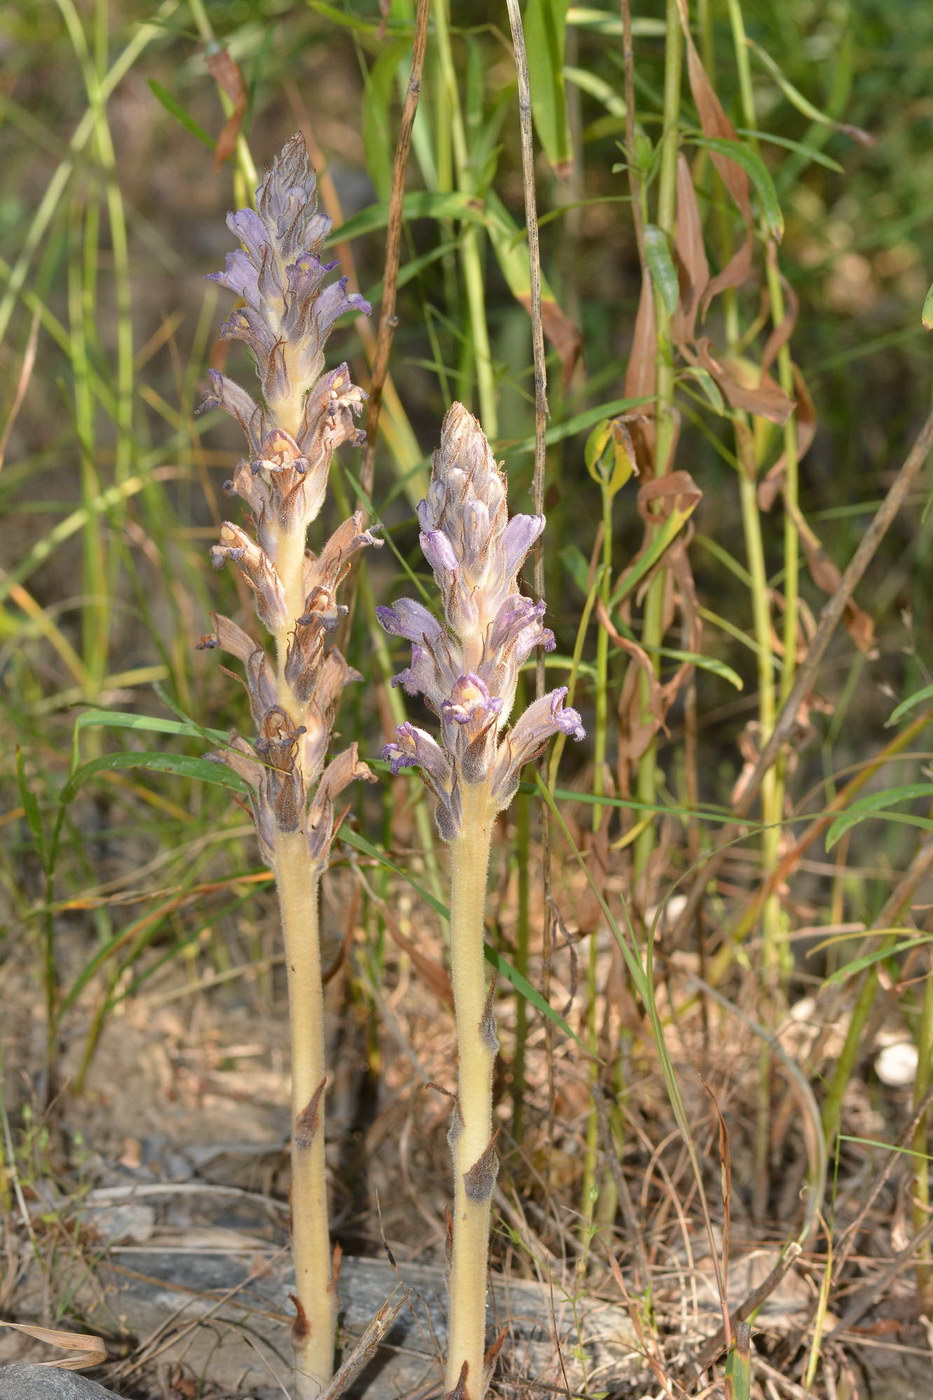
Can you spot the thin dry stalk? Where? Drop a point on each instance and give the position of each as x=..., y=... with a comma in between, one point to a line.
x=787, y=718
x=387, y=317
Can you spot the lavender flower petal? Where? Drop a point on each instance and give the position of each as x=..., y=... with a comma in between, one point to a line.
x=240, y=276
x=251, y=231
x=439, y=552
x=410, y=620
x=517, y=539
x=527, y=738
x=470, y=700
x=415, y=748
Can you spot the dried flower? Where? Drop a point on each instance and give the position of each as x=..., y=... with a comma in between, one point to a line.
x=467, y=670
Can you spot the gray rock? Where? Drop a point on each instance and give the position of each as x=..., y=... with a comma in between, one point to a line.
x=29, y=1382
x=225, y=1316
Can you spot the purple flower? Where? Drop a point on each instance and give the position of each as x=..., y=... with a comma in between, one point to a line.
x=440, y=553
x=239, y=275
x=410, y=620
x=470, y=700
x=517, y=539
x=290, y=308
x=528, y=737
x=467, y=668
x=517, y=629
x=225, y=394
x=415, y=748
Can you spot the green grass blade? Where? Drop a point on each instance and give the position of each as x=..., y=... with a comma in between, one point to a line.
x=757, y=172
x=876, y=804
x=925, y=693
x=182, y=765
x=545, y=25
x=184, y=118
x=149, y=724
x=857, y=965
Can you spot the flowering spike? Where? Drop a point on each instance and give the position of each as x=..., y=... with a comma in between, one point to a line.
x=289, y=308
x=467, y=670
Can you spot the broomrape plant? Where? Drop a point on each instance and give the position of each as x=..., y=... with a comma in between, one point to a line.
x=466, y=669
x=288, y=311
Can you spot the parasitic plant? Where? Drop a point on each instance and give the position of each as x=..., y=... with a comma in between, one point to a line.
x=288, y=310
x=466, y=669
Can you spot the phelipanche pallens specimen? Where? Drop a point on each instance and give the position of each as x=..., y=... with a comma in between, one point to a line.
x=288, y=310
x=466, y=669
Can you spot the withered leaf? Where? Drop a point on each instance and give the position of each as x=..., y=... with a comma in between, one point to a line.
x=89, y=1350
x=766, y=400
x=479, y=1180
x=691, y=253
x=307, y=1122
x=827, y=578
x=229, y=79
x=734, y=274
x=641, y=376
x=783, y=331
x=714, y=121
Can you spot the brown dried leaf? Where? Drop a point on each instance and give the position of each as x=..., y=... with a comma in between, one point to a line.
x=641, y=371
x=678, y=562
x=307, y=1121
x=767, y=400
x=90, y=1351
x=641, y=377
x=716, y=124
x=479, y=1180
x=827, y=578
x=643, y=661
x=860, y=628
x=676, y=490
x=229, y=79
x=460, y=1390
x=691, y=253
x=714, y=121
x=301, y=1327
x=735, y=273
x=432, y=973
x=22, y=384
x=492, y=1354
x=749, y=748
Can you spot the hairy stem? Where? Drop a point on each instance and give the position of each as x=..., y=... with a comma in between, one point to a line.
x=471, y=1135
x=313, y=1331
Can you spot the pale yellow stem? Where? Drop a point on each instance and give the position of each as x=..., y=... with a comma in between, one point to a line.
x=289, y=561
x=298, y=884
x=313, y=1333
x=471, y=1139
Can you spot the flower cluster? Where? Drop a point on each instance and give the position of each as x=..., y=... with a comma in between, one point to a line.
x=289, y=309
x=467, y=667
